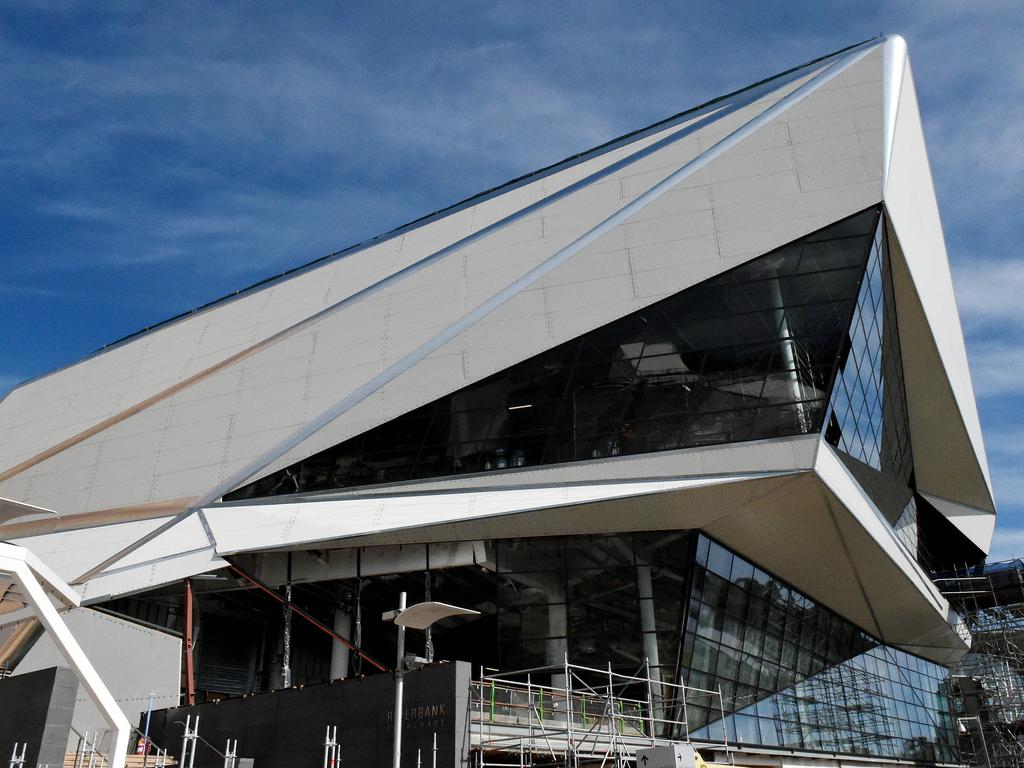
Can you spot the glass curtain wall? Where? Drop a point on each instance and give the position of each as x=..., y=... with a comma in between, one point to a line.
x=792, y=673
x=867, y=417
x=600, y=599
x=746, y=355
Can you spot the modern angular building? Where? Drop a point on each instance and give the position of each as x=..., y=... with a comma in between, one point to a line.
x=694, y=401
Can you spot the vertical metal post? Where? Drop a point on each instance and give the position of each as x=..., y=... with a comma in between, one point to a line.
x=331, y=747
x=145, y=734
x=611, y=704
x=419, y=761
x=650, y=699
x=529, y=710
x=18, y=760
x=570, y=751
x=725, y=728
x=429, y=648
x=188, y=742
x=357, y=639
x=184, y=739
x=230, y=753
x=195, y=738
x=686, y=715
x=190, y=680
x=286, y=657
x=399, y=683
x=433, y=762
x=480, y=698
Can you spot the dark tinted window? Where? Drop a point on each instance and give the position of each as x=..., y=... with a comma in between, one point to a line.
x=746, y=355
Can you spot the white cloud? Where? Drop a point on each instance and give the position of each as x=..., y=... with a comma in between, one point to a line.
x=1006, y=440
x=997, y=367
x=1007, y=544
x=990, y=293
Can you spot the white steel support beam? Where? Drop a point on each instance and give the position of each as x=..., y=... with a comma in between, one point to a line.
x=19, y=565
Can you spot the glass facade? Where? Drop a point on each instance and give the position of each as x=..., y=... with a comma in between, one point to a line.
x=799, y=341
x=793, y=674
x=867, y=417
x=749, y=354
x=600, y=598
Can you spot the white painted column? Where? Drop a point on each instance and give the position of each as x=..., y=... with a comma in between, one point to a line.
x=339, y=651
x=791, y=357
x=558, y=628
x=648, y=630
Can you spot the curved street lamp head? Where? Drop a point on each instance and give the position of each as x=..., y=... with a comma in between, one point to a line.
x=422, y=615
x=419, y=616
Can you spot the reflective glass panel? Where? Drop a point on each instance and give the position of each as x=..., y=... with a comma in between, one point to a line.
x=867, y=417
x=746, y=355
x=793, y=674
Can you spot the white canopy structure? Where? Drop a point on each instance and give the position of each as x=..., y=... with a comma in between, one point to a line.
x=30, y=590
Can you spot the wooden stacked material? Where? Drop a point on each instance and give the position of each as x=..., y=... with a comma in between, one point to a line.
x=100, y=761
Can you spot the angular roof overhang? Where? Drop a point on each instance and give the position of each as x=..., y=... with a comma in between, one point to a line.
x=809, y=523
x=949, y=453
x=542, y=263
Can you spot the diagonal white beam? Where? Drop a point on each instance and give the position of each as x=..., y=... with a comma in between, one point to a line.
x=16, y=562
x=894, y=63
x=697, y=120
x=355, y=397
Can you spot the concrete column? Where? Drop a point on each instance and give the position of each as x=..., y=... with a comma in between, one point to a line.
x=558, y=628
x=790, y=355
x=648, y=630
x=340, y=652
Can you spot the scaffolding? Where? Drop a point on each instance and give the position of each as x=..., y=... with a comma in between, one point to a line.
x=573, y=716
x=987, y=685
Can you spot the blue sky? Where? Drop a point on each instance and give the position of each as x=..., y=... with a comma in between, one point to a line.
x=156, y=156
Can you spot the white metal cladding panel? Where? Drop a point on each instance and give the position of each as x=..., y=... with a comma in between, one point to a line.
x=132, y=661
x=977, y=525
x=66, y=402
x=765, y=456
x=170, y=445
x=831, y=470
x=222, y=317
x=908, y=608
x=253, y=404
x=743, y=217
x=149, y=574
x=71, y=553
x=528, y=313
x=263, y=526
x=910, y=201
x=186, y=536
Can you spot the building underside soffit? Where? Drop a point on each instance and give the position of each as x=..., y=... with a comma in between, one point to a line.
x=838, y=548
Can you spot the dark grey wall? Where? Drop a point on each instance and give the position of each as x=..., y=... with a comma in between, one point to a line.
x=37, y=708
x=287, y=727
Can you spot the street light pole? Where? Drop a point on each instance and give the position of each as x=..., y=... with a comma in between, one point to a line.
x=399, y=685
x=419, y=616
